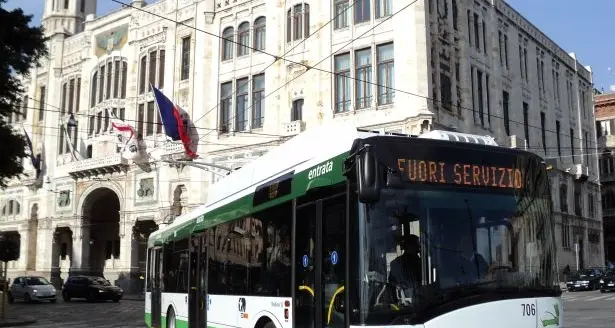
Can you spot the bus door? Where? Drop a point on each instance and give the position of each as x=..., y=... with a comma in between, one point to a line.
x=320, y=253
x=155, y=295
x=197, y=302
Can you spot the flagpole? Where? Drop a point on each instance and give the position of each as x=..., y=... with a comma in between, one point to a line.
x=200, y=165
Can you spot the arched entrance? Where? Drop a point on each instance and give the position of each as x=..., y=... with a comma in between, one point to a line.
x=101, y=227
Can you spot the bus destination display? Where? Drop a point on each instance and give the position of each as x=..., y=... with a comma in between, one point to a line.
x=459, y=173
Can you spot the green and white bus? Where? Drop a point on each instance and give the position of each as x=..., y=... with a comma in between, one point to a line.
x=340, y=227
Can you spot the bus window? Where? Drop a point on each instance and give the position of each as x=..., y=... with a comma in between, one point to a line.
x=305, y=240
x=333, y=267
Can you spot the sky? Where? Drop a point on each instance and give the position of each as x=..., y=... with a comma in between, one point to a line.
x=574, y=27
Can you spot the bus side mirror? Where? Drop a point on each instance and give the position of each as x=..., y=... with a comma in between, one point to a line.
x=368, y=176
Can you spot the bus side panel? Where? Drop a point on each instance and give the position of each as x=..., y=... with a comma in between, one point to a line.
x=179, y=303
x=148, y=309
x=244, y=311
x=518, y=313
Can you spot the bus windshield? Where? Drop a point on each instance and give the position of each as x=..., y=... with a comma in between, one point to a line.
x=429, y=249
x=424, y=249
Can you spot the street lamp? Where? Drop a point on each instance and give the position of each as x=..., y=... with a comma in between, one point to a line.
x=71, y=121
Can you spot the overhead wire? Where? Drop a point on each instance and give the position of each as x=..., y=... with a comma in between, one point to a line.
x=310, y=67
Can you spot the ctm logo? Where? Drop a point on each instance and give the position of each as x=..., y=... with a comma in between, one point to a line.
x=242, y=304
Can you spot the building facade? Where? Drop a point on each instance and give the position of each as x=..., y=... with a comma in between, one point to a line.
x=605, y=127
x=250, y=74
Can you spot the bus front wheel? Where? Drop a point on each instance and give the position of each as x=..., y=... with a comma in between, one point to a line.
x=171, y=318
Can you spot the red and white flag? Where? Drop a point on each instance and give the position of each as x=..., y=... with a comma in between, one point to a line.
x=132, y=148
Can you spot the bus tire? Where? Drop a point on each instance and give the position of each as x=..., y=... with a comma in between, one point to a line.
x=264, y=322
x=171, y=318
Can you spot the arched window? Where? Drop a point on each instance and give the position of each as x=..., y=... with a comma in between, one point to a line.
x=11, y=208
x=70, y=98
x=227, y=43
x=243, y=37
x=151, y=70
x=109, y=81
x=259, y=33
x=298, y=22
x=296, y=113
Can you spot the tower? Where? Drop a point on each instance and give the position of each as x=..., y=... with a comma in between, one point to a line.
x=66, y=16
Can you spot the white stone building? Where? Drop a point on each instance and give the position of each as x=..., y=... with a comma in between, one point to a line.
x=473, y=66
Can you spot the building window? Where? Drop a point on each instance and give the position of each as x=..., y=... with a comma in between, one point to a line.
x=10, y=208
x=342, y=14
x=481, y=110
x=385, y=8
x=228, y=39
x=260, y=28
x=342, y=83
x=109, y=81
x=565, y=232
x=67, y=138
x=241, y=104
x=572, y=146
x=362, y=11
x=226, y=92
x=151, y=70
x=258, y=101
x=99, y=122
x=185, y=72
x=386, y=73
x=241, y=116
x=153, y=121
x=526, y=126
x=476, y=32
x=71, y=89
x=297, y=111
x=503, y=40
x=243, y=37
x=563, y=198
x=557, y=132
x=363, y=75
x=41, y=103
x=298, y=22
x=543, y=122
x=591, y=206
x=505, y=104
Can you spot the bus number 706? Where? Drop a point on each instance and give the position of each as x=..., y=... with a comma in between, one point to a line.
x=529, y=310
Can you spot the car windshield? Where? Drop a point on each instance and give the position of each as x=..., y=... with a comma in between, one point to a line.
x=99, y=281
x=36, y=281
x=425, y=247
x=587, y=273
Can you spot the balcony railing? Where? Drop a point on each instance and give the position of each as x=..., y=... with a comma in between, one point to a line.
x=608, y=212
x=98, y=166
x=293, y=128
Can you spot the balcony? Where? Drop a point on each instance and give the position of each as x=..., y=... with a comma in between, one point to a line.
x=98, y=166
x=608, y=212
x=607, y=141
x=293, y=128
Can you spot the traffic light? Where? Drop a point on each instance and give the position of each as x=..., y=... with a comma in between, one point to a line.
x=10, y=243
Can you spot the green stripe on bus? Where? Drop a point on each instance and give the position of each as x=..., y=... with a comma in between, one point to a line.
x=300, y=185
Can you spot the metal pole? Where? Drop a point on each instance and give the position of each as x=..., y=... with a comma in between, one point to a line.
x=199, y=165
x=4, y=289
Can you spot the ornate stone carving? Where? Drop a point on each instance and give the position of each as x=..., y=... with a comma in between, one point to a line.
x=146, y=188
x=64, y=198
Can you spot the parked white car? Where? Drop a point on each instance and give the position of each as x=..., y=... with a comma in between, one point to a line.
x=32, y=288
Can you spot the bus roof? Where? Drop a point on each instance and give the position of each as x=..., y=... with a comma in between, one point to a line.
x=299, y=154
x=314, y=158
